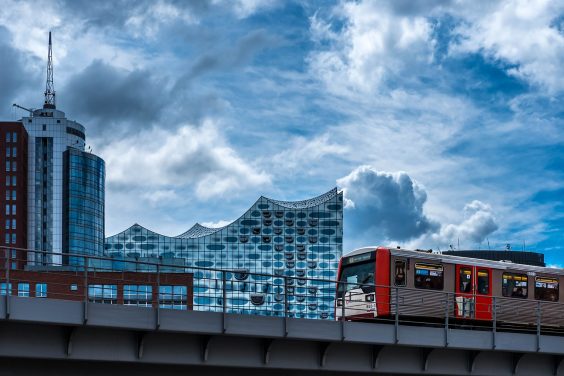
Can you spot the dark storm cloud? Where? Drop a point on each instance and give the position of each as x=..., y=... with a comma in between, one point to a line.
x=15, y=78
x=385, y=205
x=109, y=96
x=229, y=58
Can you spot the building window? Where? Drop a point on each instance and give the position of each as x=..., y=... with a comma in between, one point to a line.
x=14, y=180
x=74, y=287
x=7, y=195
x=23, y=289
x=14, y=152
x=172, y=297
x=483, y=282
x=15, y=137
x=8, y=224
x=8, y=151
x=7, y=209
x=429, y=276
x=14, y=238
x=14, y=166
x=13, y=224
x=3, y=288
x=13, y=209
x=514, y=285
x=7, y=166
x=465, y=280
x=8, y=137
x=138, y=295
x=7, y=181
x=106, y=294
x=7, y=239
x=40, y=290
x=14, y=195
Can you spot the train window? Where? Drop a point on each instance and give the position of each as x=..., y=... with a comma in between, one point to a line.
x=429, y=276
x=465, y=284
x=546, y=289
x=355, y=276
x=514, y=285
x=400, y=273
x=483, y=282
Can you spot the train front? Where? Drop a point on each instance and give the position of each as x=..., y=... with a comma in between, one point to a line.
x=363, y=284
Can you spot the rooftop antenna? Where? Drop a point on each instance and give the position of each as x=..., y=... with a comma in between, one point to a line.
x=488, y=239
x=49, y=86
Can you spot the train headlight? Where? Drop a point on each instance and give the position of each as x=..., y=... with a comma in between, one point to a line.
x=369, y=298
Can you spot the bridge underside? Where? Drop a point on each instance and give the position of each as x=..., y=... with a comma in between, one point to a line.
x=43, y=336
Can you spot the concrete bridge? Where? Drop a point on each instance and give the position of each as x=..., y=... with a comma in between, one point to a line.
x=50, y=336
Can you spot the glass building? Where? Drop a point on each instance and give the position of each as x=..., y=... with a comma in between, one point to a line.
x=83, y=204
x=300, y=239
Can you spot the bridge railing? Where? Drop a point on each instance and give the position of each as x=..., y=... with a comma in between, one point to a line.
x=160, y=285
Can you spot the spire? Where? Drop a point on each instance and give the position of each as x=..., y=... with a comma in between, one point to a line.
x=49, y=87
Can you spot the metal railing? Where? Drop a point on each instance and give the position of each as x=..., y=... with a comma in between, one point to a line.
x=94, y=279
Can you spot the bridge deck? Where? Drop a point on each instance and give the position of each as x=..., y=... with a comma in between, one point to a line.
x=62, y=330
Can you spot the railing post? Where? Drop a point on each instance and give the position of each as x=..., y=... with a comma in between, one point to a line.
x=224, y=300
x=343, y=310
x=85, y=303
x=285, y=306
x=8, y=287
x=538, y=325
x=447, y=313
x=494, y=302
x=396, y=319
x=158, y=323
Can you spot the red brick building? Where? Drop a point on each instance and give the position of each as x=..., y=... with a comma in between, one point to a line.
x=13, y=191
x=169, y=290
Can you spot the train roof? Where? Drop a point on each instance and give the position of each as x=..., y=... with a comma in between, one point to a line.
x=501, y=265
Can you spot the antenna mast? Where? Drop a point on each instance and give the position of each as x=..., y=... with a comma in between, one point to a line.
x=49, y=87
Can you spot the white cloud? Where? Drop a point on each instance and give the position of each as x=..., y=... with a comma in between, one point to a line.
x=218, y=224
x=190, y=157
x=518, y=32
x=246, y=8
x=479, y=222
x=374, y=45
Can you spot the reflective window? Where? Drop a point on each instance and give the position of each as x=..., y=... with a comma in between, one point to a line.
x=14, y=238
x=138, y=295
x=13, y=209
x=465, y=280
x=8, y=137
x=546, y=289
x=40, y=290
x=8, y=152
x=400, y=275
x=483, y=281
x=7, y=166
x=106, y=294
x=14, y=151
x=8, y=222
x=13, y=224
x=7, y=209
x=429, y=276
x=3, y=288
x=14, y=166
x=23, y=289
x=15, y=137
x=514, y=285
x=173, y=297
x=14, y=180
x=13, y=195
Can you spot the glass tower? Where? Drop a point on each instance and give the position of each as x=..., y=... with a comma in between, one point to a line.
x=83, y=205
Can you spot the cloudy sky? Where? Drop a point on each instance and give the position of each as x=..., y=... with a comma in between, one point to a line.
x=442, y=121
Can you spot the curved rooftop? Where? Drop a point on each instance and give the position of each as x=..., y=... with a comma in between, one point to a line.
x=197, y=230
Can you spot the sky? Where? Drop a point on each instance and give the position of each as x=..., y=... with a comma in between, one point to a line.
x=441, y=121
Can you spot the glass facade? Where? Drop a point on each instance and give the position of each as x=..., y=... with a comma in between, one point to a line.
x=301, y=239
x=83, y=202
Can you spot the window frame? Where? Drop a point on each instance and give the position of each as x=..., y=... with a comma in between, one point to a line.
x=547, y=280
x=397, y=264
x=478, y=290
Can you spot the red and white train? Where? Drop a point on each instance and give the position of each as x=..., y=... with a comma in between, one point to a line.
x=374, y=282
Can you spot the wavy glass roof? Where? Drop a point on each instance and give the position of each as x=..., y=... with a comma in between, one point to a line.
x=198, y=230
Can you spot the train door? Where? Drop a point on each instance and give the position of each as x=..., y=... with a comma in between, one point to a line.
x=473, y=292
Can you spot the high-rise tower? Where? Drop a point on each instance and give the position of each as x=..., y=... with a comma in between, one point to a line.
x=65, y=184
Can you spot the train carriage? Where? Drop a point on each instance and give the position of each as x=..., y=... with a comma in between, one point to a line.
x=374, y=282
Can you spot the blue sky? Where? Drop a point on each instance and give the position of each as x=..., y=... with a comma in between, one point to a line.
x=442, y=121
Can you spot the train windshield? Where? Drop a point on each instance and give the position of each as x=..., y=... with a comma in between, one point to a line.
x=354, y=276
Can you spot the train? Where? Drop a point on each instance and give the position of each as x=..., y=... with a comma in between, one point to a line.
x=384, y=283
